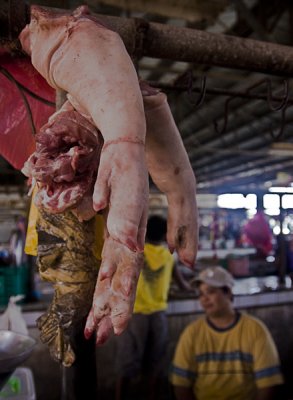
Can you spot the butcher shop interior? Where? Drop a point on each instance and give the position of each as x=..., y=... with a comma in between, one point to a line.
x=112, y=112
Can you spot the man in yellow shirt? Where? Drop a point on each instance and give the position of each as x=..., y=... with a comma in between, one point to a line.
x=142, y=347
x=225, y=355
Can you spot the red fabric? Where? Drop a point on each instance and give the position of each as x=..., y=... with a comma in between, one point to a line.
x=16, y=136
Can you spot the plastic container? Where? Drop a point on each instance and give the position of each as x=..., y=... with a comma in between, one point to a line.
x=20, y=386
x=13, y=281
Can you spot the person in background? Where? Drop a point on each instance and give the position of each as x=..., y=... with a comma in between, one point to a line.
x=224, y=354
x=142, y=347
x=259, y=234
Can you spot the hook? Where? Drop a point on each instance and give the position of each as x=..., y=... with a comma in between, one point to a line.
x=284, y=101
x=202, y=94
x=216, y=124
x=283, y=123
x=140, y=27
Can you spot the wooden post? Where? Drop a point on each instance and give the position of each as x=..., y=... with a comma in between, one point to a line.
x=79, y=381
x=282, y=262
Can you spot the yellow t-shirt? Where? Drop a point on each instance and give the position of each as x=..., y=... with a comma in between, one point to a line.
x=31, y=242
x=154, y=280
x=226, y=364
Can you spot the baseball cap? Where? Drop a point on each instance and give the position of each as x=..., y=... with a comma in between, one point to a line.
x=216, y=276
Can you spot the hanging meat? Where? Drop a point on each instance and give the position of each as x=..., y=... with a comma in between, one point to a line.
x=78, y=54
x=169, y=167
x=54, y=44
x=100, y=133
x=65, y=163
x=114, y=297
x=64, y=167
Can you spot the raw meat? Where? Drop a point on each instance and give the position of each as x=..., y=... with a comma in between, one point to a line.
x=114, y=297
x=81, y=56
x=65, y=163
x=78, y=54
x=169, y=167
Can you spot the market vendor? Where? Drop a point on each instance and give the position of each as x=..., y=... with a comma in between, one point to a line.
x=225, y=354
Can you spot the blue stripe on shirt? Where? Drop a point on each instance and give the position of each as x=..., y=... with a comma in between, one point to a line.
x=184, y=373
x=267, y=372
x=226, y=356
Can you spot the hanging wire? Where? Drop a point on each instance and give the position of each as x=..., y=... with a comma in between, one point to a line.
x=24, y=88
x=26, y=103
x=21, y=88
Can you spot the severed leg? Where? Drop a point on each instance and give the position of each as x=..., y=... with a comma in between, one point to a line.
x=169, y=167
x=115, y=291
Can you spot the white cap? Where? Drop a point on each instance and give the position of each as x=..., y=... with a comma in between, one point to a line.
x=216, y=276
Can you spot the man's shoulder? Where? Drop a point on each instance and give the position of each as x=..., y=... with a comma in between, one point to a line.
x=196, y=325
x=253, y=322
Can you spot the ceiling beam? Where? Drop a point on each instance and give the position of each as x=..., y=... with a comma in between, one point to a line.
x=245, y=13
x=235, y=178
x=188, y=10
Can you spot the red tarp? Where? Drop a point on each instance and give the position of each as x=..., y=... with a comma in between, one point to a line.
x=16, y=136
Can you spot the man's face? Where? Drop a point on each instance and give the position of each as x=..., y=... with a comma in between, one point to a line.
x=214, y=301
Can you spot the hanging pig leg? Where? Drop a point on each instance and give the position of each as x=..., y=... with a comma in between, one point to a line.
x=169, y=167
x=115, y=291
x=78, y=54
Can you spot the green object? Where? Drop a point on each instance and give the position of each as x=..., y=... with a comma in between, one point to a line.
x=12, y=387
x=15, y=385
x=20, y=386
x=13, y=281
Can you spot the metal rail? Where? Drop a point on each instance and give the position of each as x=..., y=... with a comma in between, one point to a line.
x=156, y=40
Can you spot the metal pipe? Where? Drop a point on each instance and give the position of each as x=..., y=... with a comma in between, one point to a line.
x=192, y=45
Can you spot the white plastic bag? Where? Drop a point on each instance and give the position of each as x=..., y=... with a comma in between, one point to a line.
x=12, y=318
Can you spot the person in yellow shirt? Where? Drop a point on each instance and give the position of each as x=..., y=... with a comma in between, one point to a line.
x=142, y=347
x=224, y=355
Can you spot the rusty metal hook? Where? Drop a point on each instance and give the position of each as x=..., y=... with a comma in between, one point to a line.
x=284, y=101
x=216, y=124
x=278, y=136
x=190, y=88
